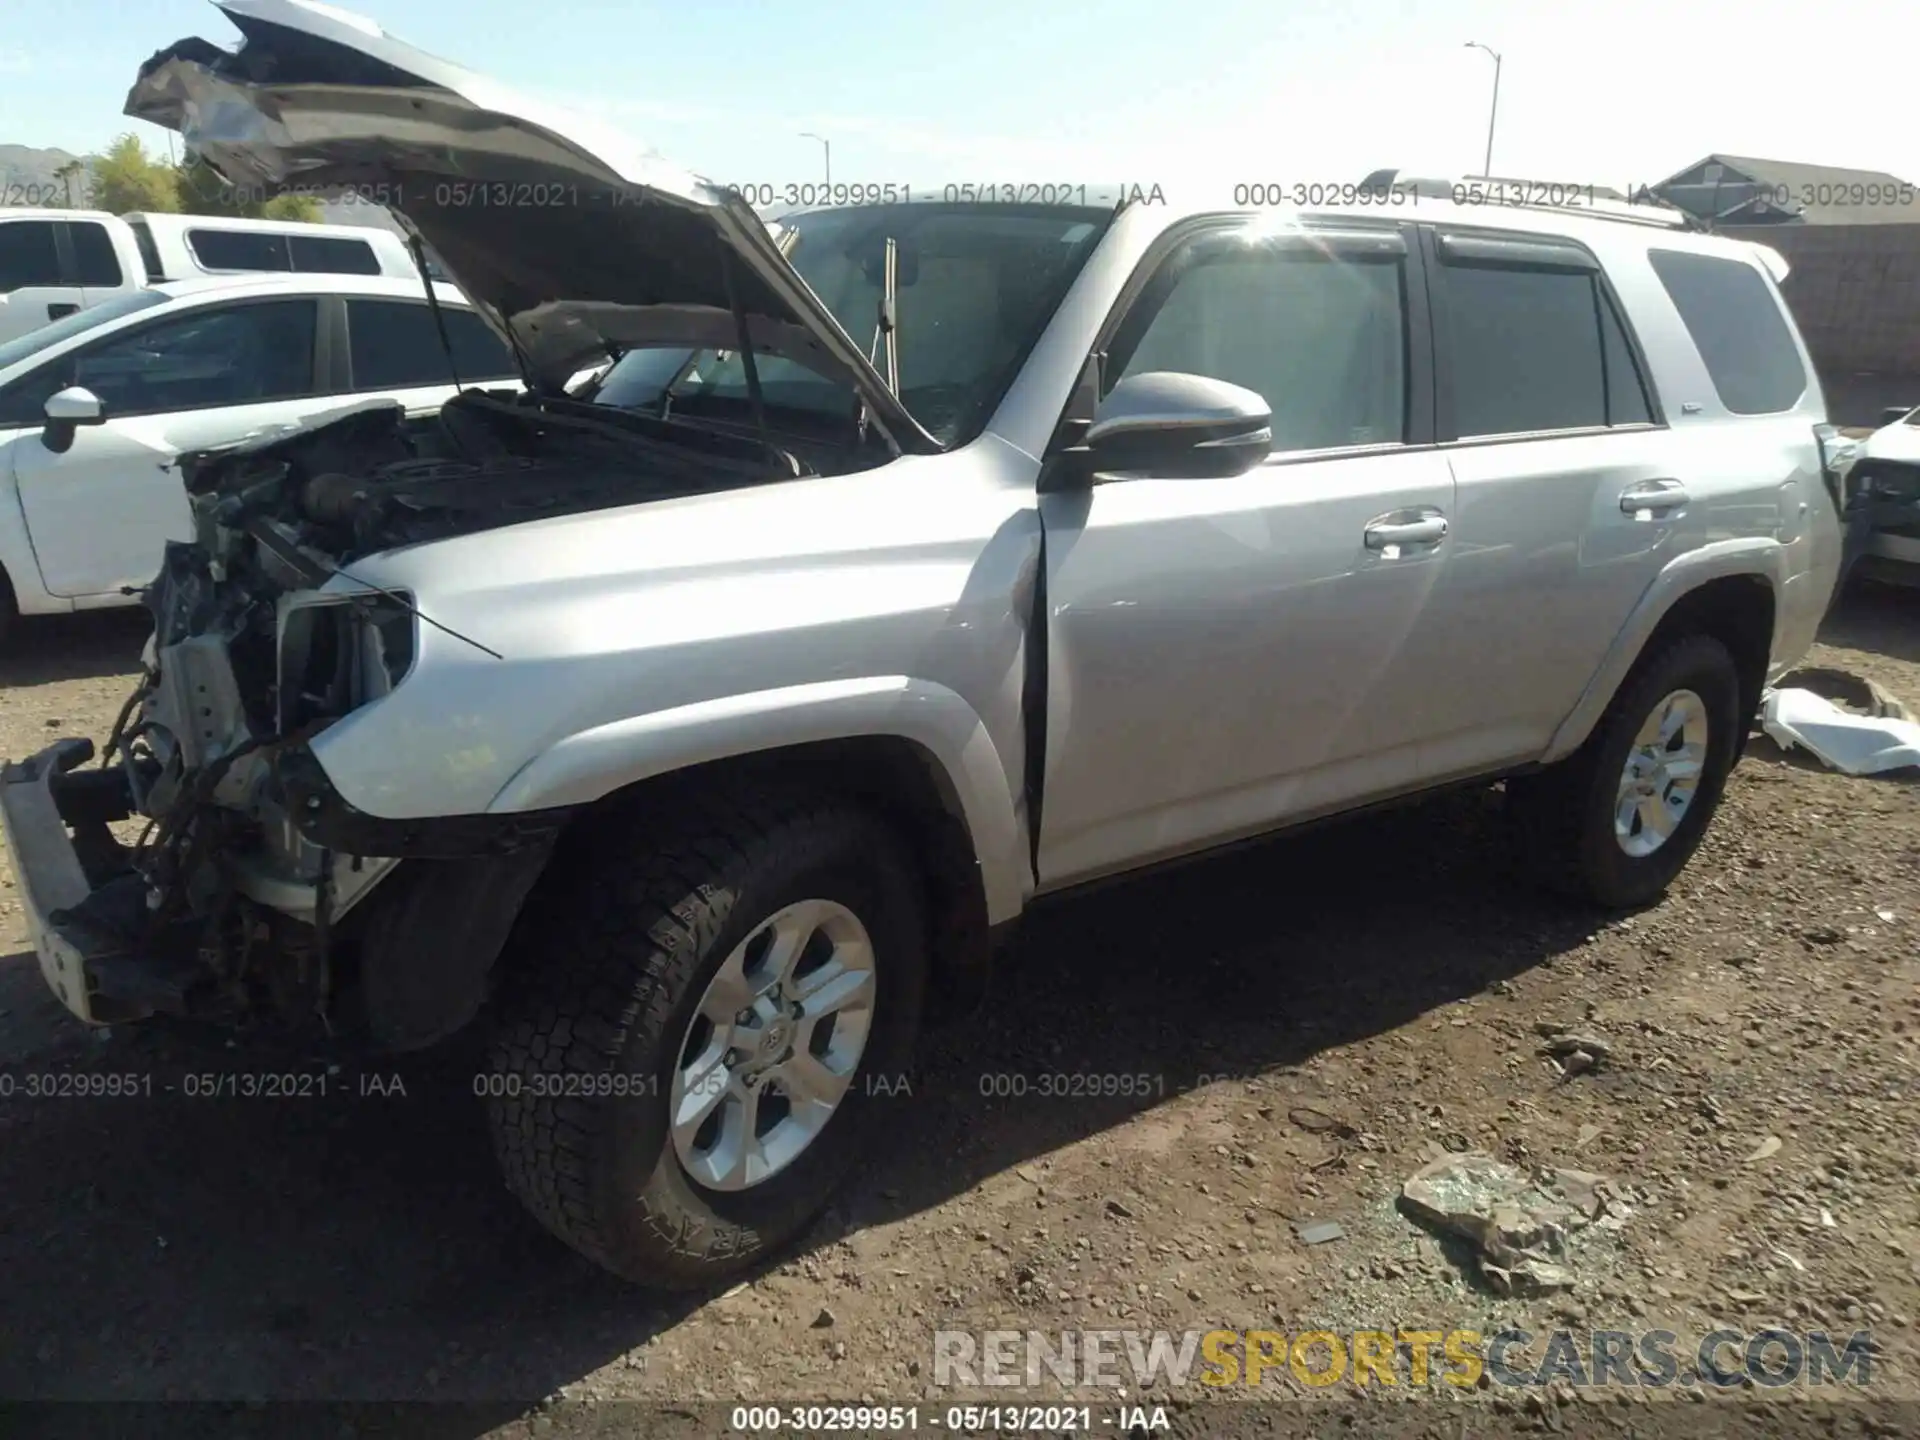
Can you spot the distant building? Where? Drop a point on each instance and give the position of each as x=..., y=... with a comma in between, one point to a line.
x=1724, y=190
x=1852, y=241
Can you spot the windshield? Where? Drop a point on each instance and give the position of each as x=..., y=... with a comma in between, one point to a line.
x=67, y=326
x=974, y=286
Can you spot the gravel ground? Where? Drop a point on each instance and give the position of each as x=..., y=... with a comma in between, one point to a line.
x=1316, y=1018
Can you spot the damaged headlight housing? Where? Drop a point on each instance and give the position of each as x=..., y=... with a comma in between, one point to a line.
x=339, y=652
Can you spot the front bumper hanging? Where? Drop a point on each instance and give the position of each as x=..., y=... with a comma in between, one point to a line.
x=83, y=902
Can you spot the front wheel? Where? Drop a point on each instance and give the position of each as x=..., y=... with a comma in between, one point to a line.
x=1616, y=821
x=705, y=1037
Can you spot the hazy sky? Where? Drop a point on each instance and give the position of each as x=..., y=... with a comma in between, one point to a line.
x=1617, y=93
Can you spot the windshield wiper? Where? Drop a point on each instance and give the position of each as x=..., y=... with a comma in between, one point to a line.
x=887, y=328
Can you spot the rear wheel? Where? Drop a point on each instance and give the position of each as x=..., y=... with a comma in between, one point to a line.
x=705, y=1038
x=1616, y=821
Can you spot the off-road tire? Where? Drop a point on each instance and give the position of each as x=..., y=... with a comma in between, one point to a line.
x=609, y=963
x=1563, y=816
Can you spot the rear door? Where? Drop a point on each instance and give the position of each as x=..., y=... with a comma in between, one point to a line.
x=36, y=283
x=1567, y=498
x=99, y=514
x=1227, y=654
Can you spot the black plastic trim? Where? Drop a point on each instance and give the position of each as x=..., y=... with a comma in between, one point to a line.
x=330, y=371
x=1422, y=359
x=325, y=818
x=1530, y=253
x=64, y=255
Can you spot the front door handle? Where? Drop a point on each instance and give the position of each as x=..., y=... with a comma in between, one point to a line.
x=1653, y=497
x=1384, y=534
x=59, y=309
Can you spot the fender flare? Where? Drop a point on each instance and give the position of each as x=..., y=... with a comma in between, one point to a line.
x=1759, y=557
x=584, y=767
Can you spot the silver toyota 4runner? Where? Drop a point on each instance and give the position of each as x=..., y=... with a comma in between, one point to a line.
x=699, y=729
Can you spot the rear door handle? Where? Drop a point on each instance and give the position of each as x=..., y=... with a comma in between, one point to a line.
x=1653, y=497
x=1427, y=530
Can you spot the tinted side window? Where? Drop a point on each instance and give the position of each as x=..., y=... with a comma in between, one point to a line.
x=93, y=253
x=1526, y=351
x=1729, y=309
x=28, y=255
x=394, y=344
x=232, y=355
x=1321, y=337
x=239, y=250
x=332, y=255
x=477, y=351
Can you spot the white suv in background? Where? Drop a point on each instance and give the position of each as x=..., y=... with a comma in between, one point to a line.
x=1884, y=513
x=95, y=407
x=55, y=262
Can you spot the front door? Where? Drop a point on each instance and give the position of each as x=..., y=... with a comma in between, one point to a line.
x=99, y=514
x=1225, y=655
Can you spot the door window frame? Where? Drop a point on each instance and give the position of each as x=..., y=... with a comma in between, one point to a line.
x=1158, y=270
x=317, y=360
x=188, y=238
x=64, y=268
x=339, y=378
x=1484, y=249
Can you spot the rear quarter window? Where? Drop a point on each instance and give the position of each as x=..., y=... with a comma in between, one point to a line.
x=332, y=255
x=239, y=250
x=1736, y=324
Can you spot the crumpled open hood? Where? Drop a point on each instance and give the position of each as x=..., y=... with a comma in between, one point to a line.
x=567, y=236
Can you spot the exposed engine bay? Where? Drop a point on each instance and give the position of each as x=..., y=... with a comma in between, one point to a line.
x=253, y=888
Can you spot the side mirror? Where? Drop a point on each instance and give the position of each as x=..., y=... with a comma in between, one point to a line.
x=1176, y=426
x=1894, y=414
x=66, y=411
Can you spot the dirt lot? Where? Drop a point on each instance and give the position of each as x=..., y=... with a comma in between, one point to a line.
x=1371, y=993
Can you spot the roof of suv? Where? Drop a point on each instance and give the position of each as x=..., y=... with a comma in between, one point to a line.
x=1599, y=226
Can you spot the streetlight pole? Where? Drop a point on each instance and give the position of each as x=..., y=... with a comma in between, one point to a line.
x=1493, y=112
x=826, y=151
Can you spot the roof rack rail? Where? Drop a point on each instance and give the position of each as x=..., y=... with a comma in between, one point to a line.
x=1514, y=194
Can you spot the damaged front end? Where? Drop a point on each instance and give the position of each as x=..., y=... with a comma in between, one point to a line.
x=243, y=886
